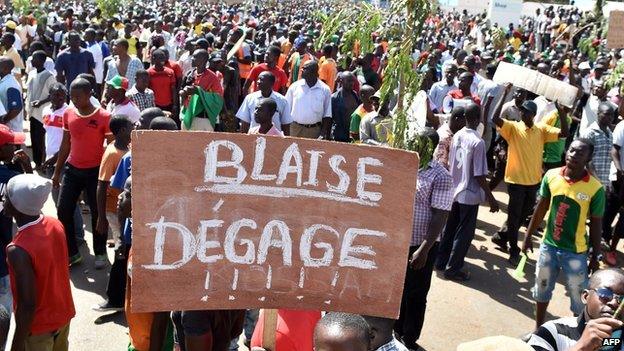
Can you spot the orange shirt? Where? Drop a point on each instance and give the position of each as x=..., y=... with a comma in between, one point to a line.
x=281, y=61
x=296, y=64
x=328, y=71
x=108, y=167
x=286, y=47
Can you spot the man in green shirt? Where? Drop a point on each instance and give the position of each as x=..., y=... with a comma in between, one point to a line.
x=553, y=152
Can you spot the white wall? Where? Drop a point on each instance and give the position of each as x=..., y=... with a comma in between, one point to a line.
x=528, y=8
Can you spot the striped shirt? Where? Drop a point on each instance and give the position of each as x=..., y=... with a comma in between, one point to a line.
x=434, y=189
x=558, y=335
x=601, y=160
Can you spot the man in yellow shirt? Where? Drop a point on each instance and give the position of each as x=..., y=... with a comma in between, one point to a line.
x=524, y=166
x=8, y=40
x=328, y=68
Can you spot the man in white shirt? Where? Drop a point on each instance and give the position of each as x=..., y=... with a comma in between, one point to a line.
x=439, y=90
x=281, y=117
x=590, y=111
x=119, y=103
x=39, y=83
x=310, y=102
x=96, y=50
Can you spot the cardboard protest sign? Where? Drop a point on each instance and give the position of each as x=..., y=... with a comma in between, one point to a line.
x=615, y=34
x=535, y=82
x=232, y=221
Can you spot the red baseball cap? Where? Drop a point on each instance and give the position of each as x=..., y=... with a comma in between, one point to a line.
x=7, y=136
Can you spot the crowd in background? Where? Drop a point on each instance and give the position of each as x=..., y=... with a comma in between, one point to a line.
x=81, y=80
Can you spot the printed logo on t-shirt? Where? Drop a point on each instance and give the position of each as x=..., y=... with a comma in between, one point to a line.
x=582, y=196
x=93, y=123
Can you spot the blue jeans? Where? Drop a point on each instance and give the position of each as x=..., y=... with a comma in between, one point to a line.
x=78, y=221
x=574, y=267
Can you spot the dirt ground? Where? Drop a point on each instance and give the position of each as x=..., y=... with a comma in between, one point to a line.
x=493, y=302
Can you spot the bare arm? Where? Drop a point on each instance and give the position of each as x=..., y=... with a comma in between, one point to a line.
x=326, y=127
x=483, y=183
x=102, y=222
x=286, y=129
x=62, y=158
x=496, y=118
x=25, y=283
x=595, y=234
x=563, y=119
x=438, y=220
x=244, y=127
x=536, y=220
x=11, y=114
x=615, y=156
x=246, y=86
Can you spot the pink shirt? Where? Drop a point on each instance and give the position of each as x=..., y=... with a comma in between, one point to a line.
x=273, y=131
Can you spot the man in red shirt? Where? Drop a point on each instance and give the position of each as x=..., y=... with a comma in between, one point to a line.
x=42, y=297
x=270, y=64
x=163, y=83
x=207, y=80
x=175, y=67
x=465, y=82
x=85, y=127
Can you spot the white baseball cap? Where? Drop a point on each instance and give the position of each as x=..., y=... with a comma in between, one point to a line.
x=28, y=193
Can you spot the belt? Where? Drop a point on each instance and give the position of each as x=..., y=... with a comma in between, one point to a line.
x=318, y=124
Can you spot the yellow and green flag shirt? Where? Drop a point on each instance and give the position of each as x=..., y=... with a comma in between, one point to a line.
x=570, y=205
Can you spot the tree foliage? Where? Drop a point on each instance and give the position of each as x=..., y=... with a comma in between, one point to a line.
x=400, y=24
x=110, y=8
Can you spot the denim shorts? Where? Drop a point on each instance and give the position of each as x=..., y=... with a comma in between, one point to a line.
x=551, y=261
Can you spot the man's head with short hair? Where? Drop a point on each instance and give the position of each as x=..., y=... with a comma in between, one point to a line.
x=6, y=66
x=120, y=124
x=73, y=38
x=148, y=115
x=381, y=331
x=80, y=92
x=121, y=45
x=579, y=153
x=338, y=331
x=265, y=81
x=58, y=95
x=265, y=109
x=465, y=80
x=310, y=70
x=8, y=39
x=602, y=283
x=473, y=115
x=606, y=114
x=366, y=92
x=457, y=120
x=163, y=123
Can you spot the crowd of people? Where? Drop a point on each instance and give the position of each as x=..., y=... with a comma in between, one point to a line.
x=84, y=82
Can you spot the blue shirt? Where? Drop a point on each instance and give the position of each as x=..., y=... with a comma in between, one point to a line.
x=127, y=232
x=123, y=172
x=71, y=64
x=105, y=50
